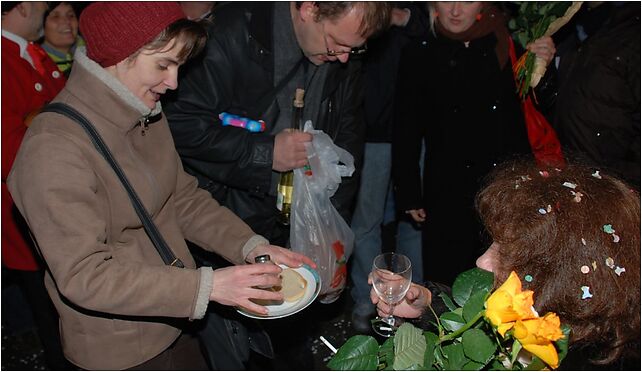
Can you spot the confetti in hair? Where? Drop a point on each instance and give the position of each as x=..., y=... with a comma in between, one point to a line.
x=528, y=278
x=597, y=175
x=583, y=242
x=585, y=269
x=619, y=270
x=586, y=292
x=570, y=185
x=609, y=262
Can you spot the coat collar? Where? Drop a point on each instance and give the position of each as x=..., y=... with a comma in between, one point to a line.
x=99, y=89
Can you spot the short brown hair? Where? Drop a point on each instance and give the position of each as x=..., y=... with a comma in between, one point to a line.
x=191, y=33
x=376, y=14
x=553, y=226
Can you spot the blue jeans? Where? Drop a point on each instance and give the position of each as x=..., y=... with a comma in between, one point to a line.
x=375, y=206
x=408, y=237
x=367, y=220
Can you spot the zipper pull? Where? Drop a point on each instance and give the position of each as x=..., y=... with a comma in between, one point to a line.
x=144, y=125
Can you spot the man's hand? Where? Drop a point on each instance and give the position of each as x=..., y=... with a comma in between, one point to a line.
x=289, y=150
x=235, y=286
x=280, y=255
x=419, y=215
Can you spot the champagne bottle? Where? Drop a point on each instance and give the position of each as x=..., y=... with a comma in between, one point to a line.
x=284, y=191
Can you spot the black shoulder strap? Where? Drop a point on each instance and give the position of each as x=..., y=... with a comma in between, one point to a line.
x=150, y=228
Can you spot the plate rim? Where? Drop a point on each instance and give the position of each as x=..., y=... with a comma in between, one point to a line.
x=315, y=294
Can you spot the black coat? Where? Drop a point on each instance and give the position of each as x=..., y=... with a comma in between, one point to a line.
x=457, y=100
x=598, y=105
x=236, y=70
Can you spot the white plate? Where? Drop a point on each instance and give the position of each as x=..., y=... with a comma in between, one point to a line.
x=288, y=308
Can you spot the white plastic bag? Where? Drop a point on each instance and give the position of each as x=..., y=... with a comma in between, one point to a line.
x=316, y=228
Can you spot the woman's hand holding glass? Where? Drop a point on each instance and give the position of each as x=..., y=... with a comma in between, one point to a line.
x=390, y=278
x=413, y=304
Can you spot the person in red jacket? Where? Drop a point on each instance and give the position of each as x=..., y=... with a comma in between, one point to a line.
x=30, y=80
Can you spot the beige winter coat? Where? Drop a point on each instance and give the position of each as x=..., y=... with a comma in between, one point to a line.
x=117, y=300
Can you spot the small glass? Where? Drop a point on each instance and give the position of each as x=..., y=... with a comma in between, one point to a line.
x=391, y=278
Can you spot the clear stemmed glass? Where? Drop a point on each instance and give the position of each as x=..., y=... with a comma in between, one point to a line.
x=391, y=277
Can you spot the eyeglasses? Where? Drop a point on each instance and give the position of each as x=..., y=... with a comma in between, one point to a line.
x=334, y=53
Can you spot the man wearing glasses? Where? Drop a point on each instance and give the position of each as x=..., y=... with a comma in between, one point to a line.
x=256, y=57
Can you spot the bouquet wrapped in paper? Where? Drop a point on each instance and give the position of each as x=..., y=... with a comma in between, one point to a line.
x=537, y=19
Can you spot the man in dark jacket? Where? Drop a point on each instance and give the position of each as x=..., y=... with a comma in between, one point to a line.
x=256, y=56
x=597, y=111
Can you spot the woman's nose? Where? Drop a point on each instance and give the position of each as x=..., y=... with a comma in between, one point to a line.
x=172, y=80
x=455, y=9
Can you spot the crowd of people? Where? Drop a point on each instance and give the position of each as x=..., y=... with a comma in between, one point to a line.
x=422, y=95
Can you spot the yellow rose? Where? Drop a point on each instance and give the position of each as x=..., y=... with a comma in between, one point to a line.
x=508, y=304
x=537, y=336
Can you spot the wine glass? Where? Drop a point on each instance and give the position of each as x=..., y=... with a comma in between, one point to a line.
x=391, y=277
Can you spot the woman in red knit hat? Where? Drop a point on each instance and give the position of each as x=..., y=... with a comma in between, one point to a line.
x=120, y=305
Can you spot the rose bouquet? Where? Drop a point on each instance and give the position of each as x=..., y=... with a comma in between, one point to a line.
x=482, y=330
x=536, y=19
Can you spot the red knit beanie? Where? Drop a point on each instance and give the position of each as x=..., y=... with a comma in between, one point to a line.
x=115, y=30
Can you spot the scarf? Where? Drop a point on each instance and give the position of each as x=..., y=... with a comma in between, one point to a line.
x=492, y=20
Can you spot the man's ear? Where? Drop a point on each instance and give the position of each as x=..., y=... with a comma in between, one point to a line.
x=24, y=9
x=308, y=11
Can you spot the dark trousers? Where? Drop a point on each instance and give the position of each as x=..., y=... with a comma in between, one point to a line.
x=184, y=354
x=45, y=316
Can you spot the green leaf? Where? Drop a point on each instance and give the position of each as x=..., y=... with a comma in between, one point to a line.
x=496, y=365
x=478, y=346
x=536, y=365
x=410, y=346
x=431, y=342
x=470, y=282
x=449, y=303
x=455, y=358
x=562, y=344
x=358, y=353
x=514, y=351
x=559, y=8
x=387, y=353
x=474, y=305
x=451, y=321
x=472, y=366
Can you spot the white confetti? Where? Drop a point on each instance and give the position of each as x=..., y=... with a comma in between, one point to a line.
x=583, y=241
x=586, y=292
x=570, y=185
x=542, y=211
x=596, y=174
x=585, y=269
x=619, y=270
x=609, y=262
x=616, y=238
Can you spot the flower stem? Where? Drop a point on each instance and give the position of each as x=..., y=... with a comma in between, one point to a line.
x=463, y=329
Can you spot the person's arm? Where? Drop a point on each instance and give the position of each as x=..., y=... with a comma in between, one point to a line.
x=215, y=228
x=56, y=192
x=228, y=155
x=13, y=126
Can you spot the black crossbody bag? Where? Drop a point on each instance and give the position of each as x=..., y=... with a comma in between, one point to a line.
x=150, y=228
